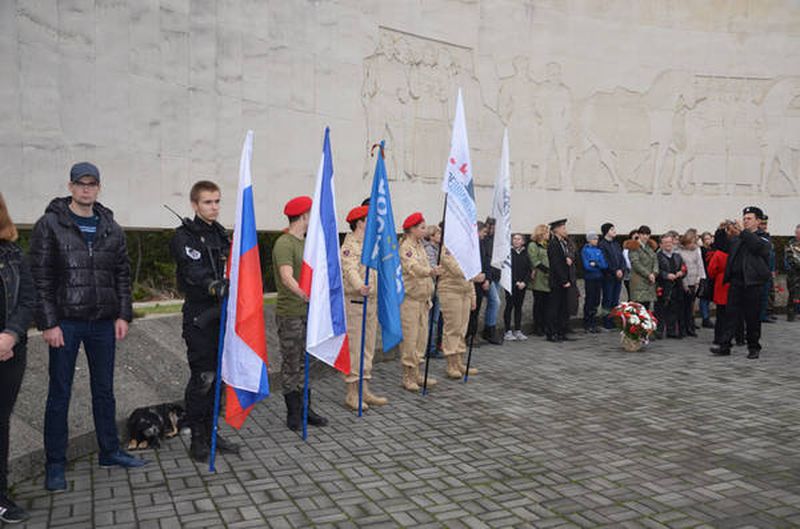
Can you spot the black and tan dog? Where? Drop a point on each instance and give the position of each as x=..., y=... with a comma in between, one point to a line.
x=147, y=426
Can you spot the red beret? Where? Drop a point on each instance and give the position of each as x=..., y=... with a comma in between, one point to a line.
x=297, y=206
x=357, y=213
x=412, y=220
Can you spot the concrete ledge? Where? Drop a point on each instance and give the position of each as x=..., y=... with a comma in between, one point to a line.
x=150, y=368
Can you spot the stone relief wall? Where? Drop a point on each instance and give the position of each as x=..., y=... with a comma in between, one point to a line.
x=687, y=134
x=667, y=113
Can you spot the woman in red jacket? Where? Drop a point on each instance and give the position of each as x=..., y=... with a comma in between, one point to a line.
x=717, y=261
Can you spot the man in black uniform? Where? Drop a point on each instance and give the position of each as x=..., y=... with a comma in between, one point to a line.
x=747, y=271
x=562, y=277
x=200, y=248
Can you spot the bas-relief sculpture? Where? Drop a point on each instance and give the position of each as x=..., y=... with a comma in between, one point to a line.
x=688, y=133
x=168, y=103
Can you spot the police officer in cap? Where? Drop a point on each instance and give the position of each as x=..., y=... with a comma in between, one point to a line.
x=747, y=272
x=562, y=278
x=200, y=248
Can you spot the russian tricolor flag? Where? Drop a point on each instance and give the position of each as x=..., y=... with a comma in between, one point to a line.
x=321, y=276
x=244, y=354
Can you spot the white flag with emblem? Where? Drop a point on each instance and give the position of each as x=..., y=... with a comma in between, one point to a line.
x=501, y=211
x=461, y=215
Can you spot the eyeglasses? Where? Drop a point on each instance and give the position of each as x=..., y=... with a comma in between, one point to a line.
x=86, y=185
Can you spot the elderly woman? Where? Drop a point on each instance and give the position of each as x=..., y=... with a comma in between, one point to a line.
x=540, y=276
x=17, y=300
x=692, y=256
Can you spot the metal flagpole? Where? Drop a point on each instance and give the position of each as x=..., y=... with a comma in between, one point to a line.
x=430, y=312
x=218, y=383
x=469, y=355
x=305, y=399
x=361, y=359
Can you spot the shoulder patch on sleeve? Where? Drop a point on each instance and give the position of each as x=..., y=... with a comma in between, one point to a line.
x=192, y=254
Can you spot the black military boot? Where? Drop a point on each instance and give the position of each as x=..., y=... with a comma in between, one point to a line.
x=223, y=445
x=199, y=449
x=753, y=353
x=294, y=410
x=791, y=313
x=721, y=350
x=313, y=418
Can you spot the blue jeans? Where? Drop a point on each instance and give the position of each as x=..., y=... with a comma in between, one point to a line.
x=612, y=287
x=705, y=309
x=492, y=305
x=99, y=341
x=433, y=326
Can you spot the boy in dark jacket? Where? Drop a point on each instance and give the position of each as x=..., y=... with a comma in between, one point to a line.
x=594, y=267
x=614, y=274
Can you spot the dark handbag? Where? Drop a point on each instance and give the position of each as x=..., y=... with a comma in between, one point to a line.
x=705, y=289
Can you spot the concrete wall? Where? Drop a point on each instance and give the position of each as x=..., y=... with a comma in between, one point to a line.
x=670, y=113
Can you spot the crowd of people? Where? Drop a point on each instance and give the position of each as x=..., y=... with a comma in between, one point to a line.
x=75, y=283
x=676, y=276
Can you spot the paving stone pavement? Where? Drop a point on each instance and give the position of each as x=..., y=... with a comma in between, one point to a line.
x=553, y=436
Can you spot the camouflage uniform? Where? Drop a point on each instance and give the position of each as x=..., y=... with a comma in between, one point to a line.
x=457, y=296
x=414, y=310
x=793, y=278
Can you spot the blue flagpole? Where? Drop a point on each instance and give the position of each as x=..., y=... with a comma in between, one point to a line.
x=361, y=359
x=218, y=384
x=305, y=400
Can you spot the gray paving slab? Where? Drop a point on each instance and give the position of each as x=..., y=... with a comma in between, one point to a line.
x=580, y=434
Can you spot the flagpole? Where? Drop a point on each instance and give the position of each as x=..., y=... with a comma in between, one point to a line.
x=361, y=359
x=469, y=355
x=305, y=399
x=430, y=312
x=218, y=384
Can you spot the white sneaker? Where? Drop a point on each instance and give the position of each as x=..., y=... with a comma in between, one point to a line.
x=509, y=336
x=519, y=336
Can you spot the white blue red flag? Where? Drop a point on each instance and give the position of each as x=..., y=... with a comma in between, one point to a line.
x=244, y=354
x=501, y=211
x=321, y=275
x=461, y=215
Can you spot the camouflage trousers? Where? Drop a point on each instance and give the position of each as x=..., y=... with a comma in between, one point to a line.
x=292, y=337
x=793, y=286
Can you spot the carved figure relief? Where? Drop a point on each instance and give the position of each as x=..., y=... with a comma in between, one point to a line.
x=687, y=133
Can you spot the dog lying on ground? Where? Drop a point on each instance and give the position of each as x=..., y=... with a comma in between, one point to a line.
x=148, y=425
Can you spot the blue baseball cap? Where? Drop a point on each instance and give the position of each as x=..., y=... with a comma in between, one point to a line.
x=82, y=169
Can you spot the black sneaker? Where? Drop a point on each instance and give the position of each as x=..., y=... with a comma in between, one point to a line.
x=10, y=512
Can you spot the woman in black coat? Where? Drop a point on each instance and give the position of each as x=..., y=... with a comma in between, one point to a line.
x=520, y=273
x=17, y=299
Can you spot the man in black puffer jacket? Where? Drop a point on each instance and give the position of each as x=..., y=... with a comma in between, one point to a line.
x=80, y=266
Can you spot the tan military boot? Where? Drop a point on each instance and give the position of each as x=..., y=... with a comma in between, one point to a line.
x=351, y=399
x=371, y=398
x=409, y=379
x=452, y=366
x=462, y=367
x=420, y=374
